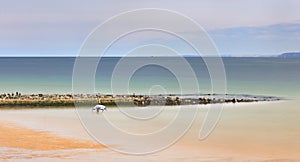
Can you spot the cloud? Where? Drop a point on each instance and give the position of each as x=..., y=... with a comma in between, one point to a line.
x=265, y=40
x=35, y=27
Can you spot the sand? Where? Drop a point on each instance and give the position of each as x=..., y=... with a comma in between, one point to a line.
x=16, y=139
x=246, y=132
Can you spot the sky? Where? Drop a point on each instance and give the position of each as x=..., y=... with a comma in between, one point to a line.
x=237, y=27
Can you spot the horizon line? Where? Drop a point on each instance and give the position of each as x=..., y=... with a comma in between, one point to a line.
x=132, y=56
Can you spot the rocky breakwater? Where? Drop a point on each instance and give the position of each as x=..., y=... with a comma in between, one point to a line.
x=68, y=100
x=198, y=99
x=35, y=100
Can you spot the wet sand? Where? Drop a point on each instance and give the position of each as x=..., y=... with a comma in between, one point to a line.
x=14, y=136
x=246, y=132
x=17, y=140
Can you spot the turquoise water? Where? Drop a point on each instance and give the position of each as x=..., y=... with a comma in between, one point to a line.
x=257, y=76
x=265, y=130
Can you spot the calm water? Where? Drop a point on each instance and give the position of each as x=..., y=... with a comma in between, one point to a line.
x=263, y=76
x=266, y=130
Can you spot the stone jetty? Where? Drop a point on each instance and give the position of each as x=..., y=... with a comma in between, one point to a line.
x=69, y=100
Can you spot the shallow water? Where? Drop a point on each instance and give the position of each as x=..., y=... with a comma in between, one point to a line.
x=246, y=131
x=267, y=130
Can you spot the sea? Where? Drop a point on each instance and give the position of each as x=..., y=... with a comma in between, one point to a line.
x=262, y=131
x=255, y=76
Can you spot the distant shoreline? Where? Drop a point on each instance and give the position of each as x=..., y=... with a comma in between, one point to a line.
x=18, y=100
x=282, y=55
x=74, y=57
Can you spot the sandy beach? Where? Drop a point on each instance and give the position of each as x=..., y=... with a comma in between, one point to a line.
x=14, y=136
x=17, y=139
x=150, y=81
x=246, y=132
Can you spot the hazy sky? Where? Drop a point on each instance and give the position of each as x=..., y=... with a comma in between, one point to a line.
x=59, y=27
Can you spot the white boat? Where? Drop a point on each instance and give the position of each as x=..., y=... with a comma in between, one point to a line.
x=98, y=108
